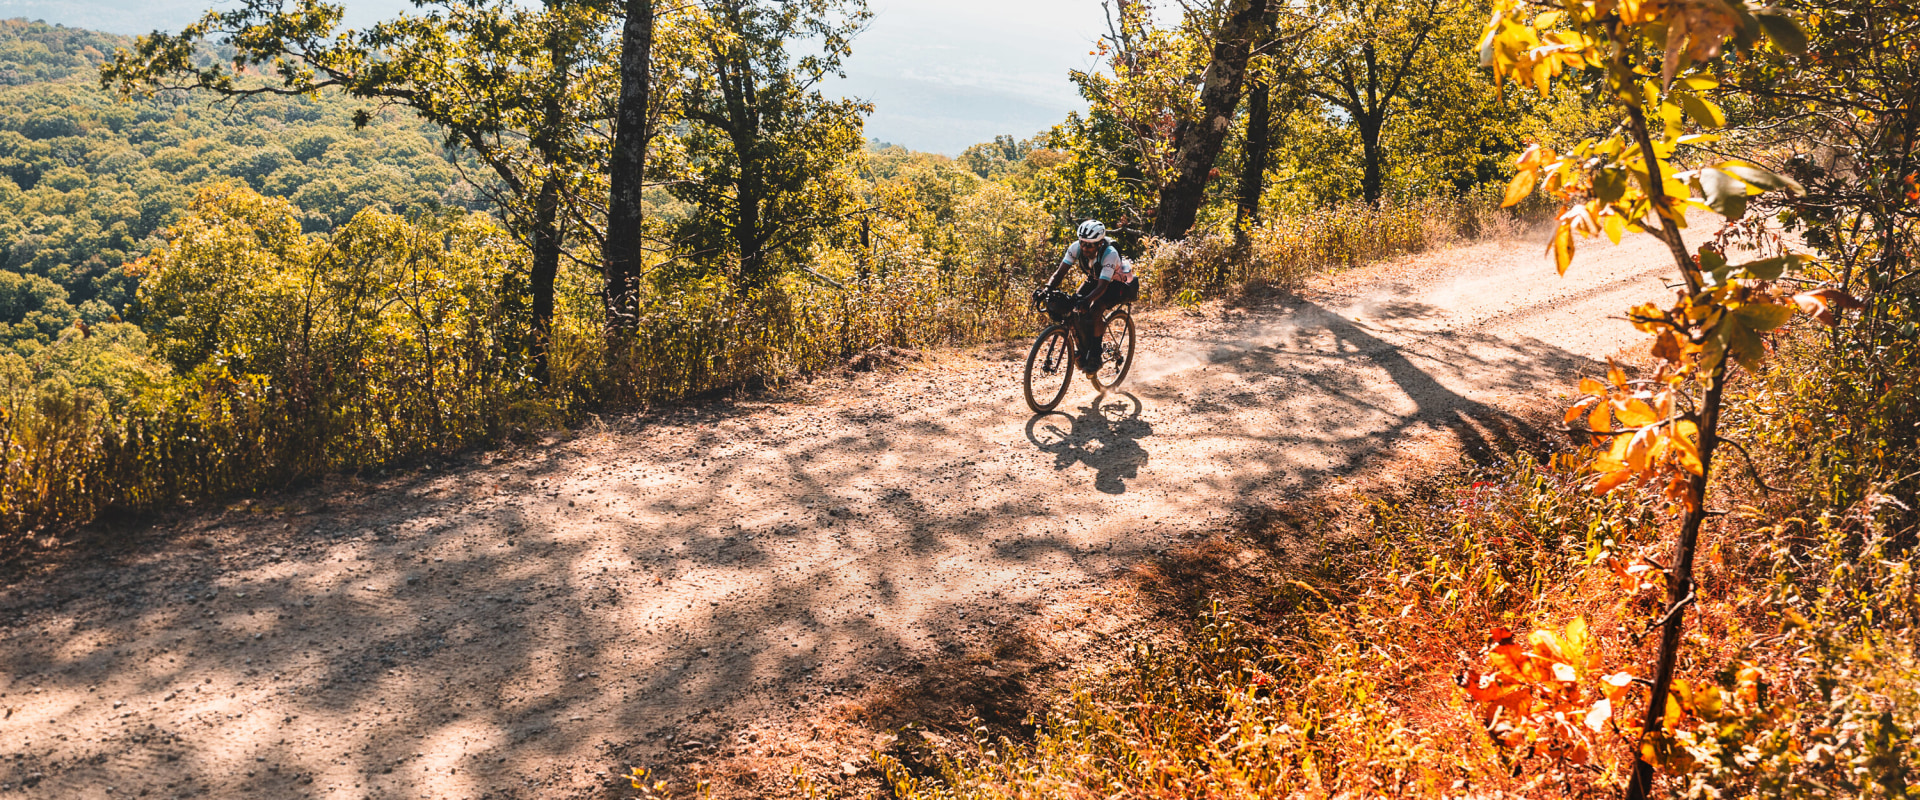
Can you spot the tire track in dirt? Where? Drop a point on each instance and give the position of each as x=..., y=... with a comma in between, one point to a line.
x=522, y=624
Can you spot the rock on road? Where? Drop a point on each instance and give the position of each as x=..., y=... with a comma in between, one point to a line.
x=506, y=626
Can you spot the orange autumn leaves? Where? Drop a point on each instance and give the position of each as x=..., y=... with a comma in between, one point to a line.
x=1534, y=696
x=1654, y=440
x=1549, y=695
x=1646, y=430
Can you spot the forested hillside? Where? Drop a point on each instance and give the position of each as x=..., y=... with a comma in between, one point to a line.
x=90, y=182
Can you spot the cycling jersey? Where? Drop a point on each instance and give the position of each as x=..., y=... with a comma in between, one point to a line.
x=1112, y=266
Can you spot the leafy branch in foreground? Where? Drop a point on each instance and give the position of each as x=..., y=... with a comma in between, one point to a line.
x=1656, y=62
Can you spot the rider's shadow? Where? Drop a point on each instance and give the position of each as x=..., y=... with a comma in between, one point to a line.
x=1105, y=436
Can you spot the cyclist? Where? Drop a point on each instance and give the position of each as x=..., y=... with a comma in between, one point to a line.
x=1109, y=283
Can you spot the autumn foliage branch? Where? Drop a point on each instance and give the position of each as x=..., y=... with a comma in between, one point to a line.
x=1660, y=63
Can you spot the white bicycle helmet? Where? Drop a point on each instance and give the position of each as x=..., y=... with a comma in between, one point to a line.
x=1092, y=231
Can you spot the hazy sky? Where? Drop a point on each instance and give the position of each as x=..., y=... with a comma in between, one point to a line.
x=941, y=74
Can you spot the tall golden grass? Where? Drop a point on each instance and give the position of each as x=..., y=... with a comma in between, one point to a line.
x=1286, y=250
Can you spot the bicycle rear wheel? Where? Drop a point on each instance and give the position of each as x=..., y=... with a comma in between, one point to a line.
x=1116, y=351
x=1049, y=368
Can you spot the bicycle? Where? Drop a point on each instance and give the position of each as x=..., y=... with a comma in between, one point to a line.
x=1053, y=355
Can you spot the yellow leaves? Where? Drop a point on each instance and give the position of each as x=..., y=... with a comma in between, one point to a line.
x=1531, y=52
x=1824, y=304
x=1582, y=219
x=1702, y=111
x=1561, y=246
x=1634, y=12
x=1634, y=412
x=1614, y=225
x=1686, y=446
x=1519, y=187
x=1747, y=679
x=1537, y=695
x=1674, y=710
x=1581, y=408
x=639, y=778
x=1737, y=333
x=1529, y=166
x=1638, y=423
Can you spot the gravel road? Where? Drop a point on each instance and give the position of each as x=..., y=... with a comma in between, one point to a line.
x=524, y=622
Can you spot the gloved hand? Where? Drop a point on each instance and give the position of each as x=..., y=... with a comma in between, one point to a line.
x=1082, y=304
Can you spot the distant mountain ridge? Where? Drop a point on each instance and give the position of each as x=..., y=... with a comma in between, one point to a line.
x=35, y=52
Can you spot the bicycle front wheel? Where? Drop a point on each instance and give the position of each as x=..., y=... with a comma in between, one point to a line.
x=1049, y=369
x=1116, y=351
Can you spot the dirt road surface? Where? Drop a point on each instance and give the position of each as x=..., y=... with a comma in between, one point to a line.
x=525, y=623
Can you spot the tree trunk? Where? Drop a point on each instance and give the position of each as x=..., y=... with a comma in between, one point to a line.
x=546, y=265
x=1253, y=173
x=1680, y=567
x=546, y=212
x=1680, y=585
x=1370, y=183
x=748, y=196
x=1198, y=142
x=627, y=171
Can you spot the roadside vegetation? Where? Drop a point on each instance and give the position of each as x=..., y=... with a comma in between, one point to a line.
x=1345, y=677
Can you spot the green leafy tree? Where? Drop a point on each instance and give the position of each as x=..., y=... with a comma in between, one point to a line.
x=999, y=157
x=1162, y=112
x=1366, y=61
x=517, y=87
x=89, y=181
x=1234, y=28
x=765, y=161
